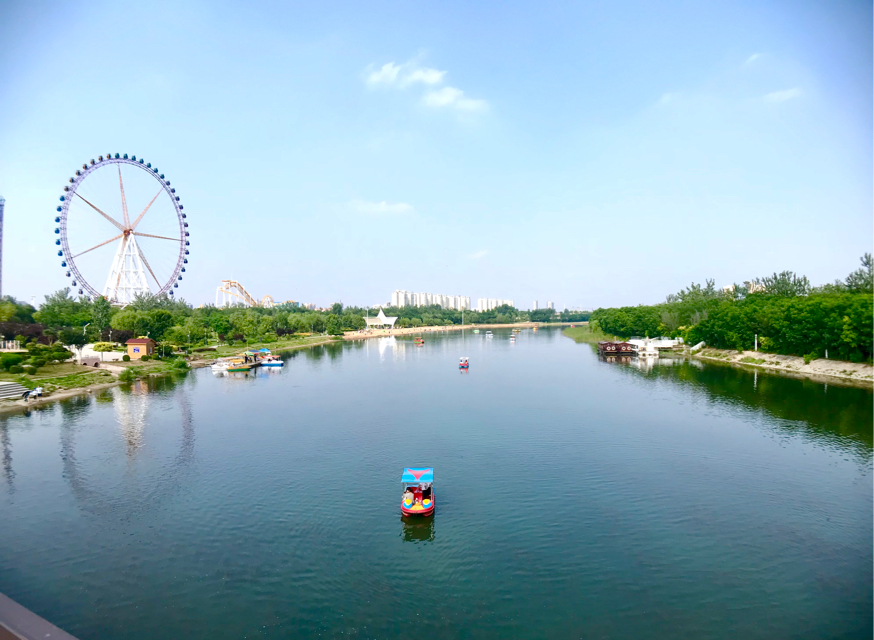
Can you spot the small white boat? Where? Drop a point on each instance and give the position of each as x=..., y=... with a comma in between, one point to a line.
x=272, y=361
x=220, y=366
x=489, y=334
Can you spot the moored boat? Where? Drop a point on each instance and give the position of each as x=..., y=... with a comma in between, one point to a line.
x=419, y=341
x=616, y=348
x=476, y=330
x=464, y=362
x=237, y=365
x=489, y=334
x=272, y=361
x=418, y=497
x=220, y=366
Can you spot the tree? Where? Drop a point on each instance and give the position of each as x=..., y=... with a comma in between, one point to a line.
x=862, y=280
x=62, y=310
x=786, y=284
x=333, y=325
x=102, y=347
x=337, y=308
x=101, y=313
x=74, y=338
x=157, y=321
x=129, y=319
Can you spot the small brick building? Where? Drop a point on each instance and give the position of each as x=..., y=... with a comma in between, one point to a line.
x=139, y=347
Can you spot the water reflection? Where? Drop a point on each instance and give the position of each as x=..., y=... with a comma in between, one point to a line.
x=417, y=529
x=6, y=445
x=130, y=413
x=127, y=500
x=831, y=414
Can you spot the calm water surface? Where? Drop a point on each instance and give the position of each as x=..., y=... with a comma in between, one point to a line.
x=575, y=499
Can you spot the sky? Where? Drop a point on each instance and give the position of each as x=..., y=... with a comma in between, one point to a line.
x=591, y=154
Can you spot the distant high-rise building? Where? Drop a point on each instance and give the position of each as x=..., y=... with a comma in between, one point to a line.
x=534, y=308
x=487, y=304
x=550, y=305
x=402, y=298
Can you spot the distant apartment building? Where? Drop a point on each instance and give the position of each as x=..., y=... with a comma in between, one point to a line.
x=487, y=304
x=550, y=305
x=401, y=298
x=534, y=308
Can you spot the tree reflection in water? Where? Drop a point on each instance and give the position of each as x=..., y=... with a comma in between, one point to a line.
x=834, y=415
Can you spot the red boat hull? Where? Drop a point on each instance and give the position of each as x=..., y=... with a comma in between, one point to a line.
x=419, y=512
x=423, y=512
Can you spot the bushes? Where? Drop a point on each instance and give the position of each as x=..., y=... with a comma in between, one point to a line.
x=31, y=371
x=128, y=375
x=8, y=360
x=16, y=369
x=145, y=358
x=125, y=358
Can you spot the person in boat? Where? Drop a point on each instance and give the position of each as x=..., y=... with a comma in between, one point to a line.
x=408, y=495
x=425, y=490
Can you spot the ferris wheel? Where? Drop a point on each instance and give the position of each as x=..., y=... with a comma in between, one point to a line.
x=93, y=217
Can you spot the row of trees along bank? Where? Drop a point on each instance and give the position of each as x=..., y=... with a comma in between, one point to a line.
x=789, y=316
x=78, y=321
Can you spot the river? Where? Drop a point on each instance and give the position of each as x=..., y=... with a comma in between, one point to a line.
x=576, y=498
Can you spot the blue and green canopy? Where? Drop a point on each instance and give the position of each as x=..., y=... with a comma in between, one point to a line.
x=417, y=475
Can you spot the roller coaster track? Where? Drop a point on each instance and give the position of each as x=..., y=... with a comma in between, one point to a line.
x=232, y=292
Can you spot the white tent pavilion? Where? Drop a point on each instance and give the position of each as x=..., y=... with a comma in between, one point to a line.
x=380, y=321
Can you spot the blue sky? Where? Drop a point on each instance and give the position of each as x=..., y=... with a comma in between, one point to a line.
x=593, y=154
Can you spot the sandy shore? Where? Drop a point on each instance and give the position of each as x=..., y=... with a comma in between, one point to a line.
x=382, y=333
x=822, y=370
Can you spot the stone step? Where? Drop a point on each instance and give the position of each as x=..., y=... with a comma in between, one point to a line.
x=11, y=390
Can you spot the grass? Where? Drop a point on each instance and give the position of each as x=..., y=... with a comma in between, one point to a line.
x=73, y=381
x=49, y=371
x=752, y=360
x=279, y=345
x=584, y=333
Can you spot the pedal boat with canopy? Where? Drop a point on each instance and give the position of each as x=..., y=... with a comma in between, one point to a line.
x=418, y=497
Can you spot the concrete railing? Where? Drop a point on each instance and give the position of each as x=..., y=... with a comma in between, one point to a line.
x=18, y=623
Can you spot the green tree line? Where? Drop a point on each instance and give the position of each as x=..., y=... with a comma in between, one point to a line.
x=75, y=321
x=789, y=316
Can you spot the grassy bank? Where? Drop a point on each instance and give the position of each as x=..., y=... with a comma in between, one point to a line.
x=585, y=333
x=279, y=345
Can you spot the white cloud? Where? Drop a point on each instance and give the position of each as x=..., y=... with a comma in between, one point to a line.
x=402, y=75
x=387, y=74
x=452, y=97
x=479, y=254
x=753, y=58
x=782, y=96
x=425, y=76
x=381, y=208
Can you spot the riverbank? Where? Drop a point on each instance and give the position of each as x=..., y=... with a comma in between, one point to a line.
x=384, y=333
x=822, y=370
x=86, y=380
